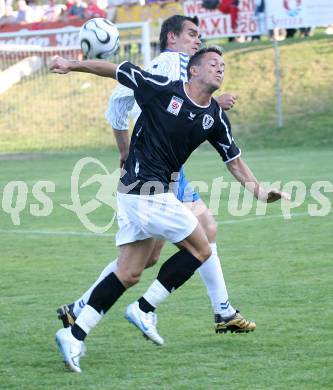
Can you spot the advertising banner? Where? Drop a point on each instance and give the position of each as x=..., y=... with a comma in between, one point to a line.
x=42, y=34
x=215, y=24
x=298, y=13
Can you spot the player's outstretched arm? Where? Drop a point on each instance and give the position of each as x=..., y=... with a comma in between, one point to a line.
x=244, y=175
x=100, y=68
x=226, y=101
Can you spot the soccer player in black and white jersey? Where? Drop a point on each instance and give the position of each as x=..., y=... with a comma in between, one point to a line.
x=179, y=40
x=176, y=118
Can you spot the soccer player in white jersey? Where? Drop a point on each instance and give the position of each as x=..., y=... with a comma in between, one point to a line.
x=179, y=39
x=164, y=136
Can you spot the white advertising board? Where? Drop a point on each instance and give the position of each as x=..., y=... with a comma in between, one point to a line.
x=298, y=13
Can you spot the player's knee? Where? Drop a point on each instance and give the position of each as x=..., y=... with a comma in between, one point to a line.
x=152, y=260
x=155, y=256
x=210, y=229
x=203, y=253
x=130, y=277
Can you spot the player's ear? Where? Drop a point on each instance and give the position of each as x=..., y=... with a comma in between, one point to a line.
x=171, y=38
x=194, y=70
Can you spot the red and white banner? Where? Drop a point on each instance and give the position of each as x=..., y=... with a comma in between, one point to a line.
x=215, y=24
x=42, y=34
x=298, y=13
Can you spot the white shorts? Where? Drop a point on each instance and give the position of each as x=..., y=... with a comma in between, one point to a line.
x=160, y=216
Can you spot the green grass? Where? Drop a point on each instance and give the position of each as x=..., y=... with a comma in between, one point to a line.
x=307, y=87
x=278, y=272
x=52, y=112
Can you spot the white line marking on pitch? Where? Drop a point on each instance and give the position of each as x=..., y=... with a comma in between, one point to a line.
x=90, y=234
x=56, y=233
x=261, y=217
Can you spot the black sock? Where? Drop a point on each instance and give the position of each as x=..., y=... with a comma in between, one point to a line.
x=178, y=269
x=145, y=305
x=78, y=333
x=106, y=293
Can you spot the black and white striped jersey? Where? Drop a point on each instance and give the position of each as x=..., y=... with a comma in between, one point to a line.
x=170, y=127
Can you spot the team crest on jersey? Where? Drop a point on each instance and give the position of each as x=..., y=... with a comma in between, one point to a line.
x=207, y=122
x=175, y=105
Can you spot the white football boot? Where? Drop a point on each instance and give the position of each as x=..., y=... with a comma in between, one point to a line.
x=71, y=348
x=146, y=322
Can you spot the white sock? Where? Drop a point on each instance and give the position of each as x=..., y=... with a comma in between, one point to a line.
x=88, y=318
x=212, y=275
x=156, y=293
x=82, y=301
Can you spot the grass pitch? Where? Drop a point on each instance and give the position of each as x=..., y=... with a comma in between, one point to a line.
x=278, y=272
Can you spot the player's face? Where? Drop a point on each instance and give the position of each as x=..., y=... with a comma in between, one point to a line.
x=188, y=41
x=211, y=70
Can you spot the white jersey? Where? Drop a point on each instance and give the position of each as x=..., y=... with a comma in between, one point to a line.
x=170, y=64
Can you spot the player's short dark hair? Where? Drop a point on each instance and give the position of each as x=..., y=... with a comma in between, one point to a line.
x=174, y=24
x=197, y=57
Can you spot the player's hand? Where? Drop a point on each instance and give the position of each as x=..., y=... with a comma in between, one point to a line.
x=59, y=65
x=273, y=195
x=226, y=101
x=122, y=159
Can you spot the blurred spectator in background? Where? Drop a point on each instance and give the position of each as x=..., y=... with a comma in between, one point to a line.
x=260, y=16
x=51, y=11
x=305, y=31
x=290, y=32
x=68, y=5
x=9, y=16
x=161, y=3
x=35, y=11
x=24, y=13
x=93, y=10
x=74, y=10
x=228, y=7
